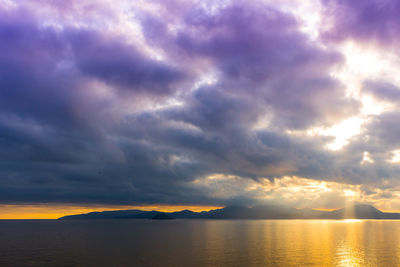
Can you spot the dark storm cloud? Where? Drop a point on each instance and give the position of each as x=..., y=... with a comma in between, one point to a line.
x=52, y=135
x=119, y=64
x=67, y=133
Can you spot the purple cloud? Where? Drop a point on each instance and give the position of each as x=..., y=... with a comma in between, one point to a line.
x=259, y=51
x=88, y=116
x=369, y=20
x=119, y=64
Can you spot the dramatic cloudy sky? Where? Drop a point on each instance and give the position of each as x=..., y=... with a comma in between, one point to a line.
x=206, y=103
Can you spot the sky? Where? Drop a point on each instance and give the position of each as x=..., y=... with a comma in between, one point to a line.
x=184, y=103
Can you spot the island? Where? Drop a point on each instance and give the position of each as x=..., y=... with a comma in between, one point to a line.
x=240, y=212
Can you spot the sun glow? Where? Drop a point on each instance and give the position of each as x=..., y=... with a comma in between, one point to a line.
x=342, y=132
x=365, y=63
x=395, y=156
x=361, y=64
x=349, y=193
x=366, y=158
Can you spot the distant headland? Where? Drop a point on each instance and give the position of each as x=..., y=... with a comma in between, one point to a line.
x=241, y=212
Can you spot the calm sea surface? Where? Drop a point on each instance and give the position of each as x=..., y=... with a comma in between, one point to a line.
x=200, y=243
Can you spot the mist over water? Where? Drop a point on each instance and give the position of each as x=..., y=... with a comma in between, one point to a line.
x=200, y=243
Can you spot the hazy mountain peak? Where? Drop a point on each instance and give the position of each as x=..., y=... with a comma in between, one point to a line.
x=357, y=211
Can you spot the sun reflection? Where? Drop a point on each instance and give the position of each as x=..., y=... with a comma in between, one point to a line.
x=351, y=220
x=346, y=257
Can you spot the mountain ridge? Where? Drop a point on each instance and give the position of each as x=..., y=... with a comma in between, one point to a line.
x=359, y=211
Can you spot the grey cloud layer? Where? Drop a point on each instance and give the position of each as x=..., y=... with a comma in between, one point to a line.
x=67, y=136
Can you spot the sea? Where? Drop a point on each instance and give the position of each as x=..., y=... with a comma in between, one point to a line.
x=199, y=243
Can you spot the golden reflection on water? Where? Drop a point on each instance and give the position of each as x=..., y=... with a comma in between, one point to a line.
x=304, y=242
x=200, y=243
